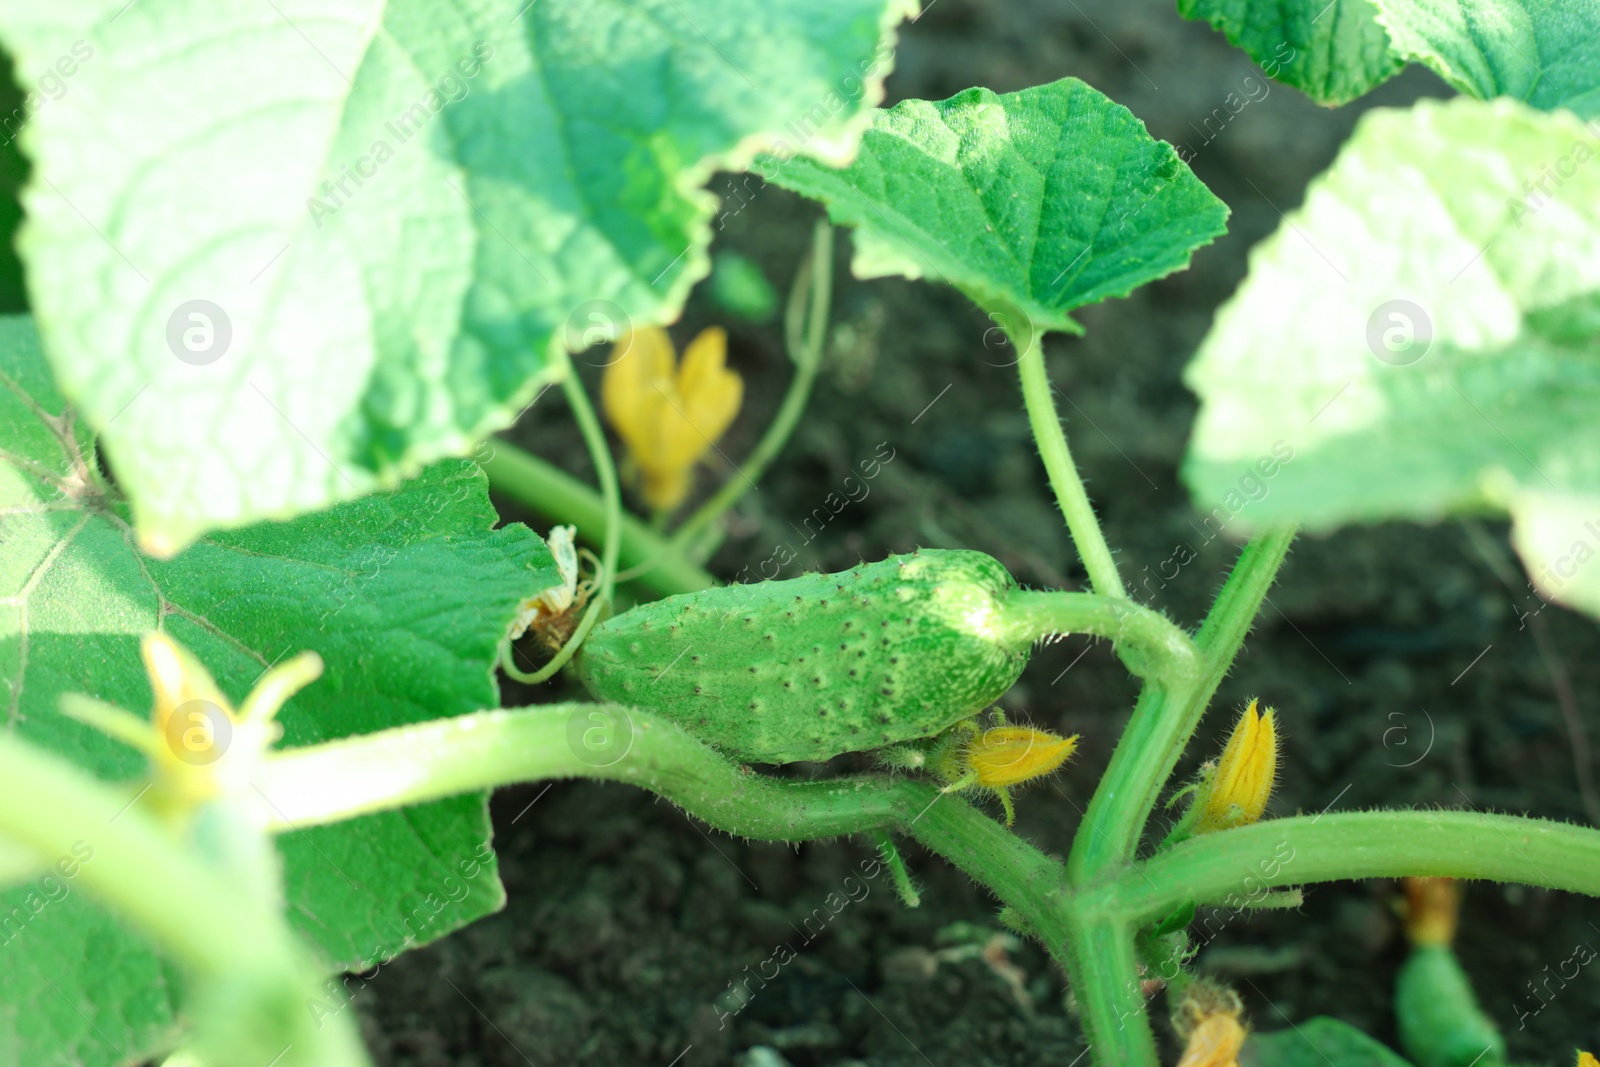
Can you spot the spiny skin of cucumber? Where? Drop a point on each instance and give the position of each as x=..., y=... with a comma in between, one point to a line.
x=887, y=660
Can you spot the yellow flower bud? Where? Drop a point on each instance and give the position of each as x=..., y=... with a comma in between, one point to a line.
x=1214, y=1042
x=1432, y=907
x=1238, y=789
x=1011, y=755
x=199, y=745
x=998, y=758
x=668, y=415
x=1207, y=1018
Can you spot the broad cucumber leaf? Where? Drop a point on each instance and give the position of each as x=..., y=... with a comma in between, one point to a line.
x=405, y=595
x=1422, y=337
x=284, y=254
x=1034, y=202
x=1331, y=50
x=1321, y=1041
x=1545, y=52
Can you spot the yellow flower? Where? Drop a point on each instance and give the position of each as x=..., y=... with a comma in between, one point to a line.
x=1432, y=907
x=1586, y=1059
x=1207, y=1018
x=1011, y=755
x=668, y=415
x=1239, y=787
x=1214, y=1042
x=199, y=746
x=998, y=758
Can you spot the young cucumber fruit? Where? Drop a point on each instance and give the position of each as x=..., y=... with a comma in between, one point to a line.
x=809, y=667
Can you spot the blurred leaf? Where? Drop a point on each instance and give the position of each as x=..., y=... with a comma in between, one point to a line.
x=1421, y=337
x=1031, y=203
x=283, y=254
x=1331, y=50
x=739, y=287
x=1320, y=1041
x=405, y=595
x=1545, y=52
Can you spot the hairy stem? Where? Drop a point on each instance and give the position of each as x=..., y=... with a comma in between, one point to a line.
x=1111, y=1000
x=531, y=481
x=1063, y=474
x=409, y=764
x=1150, y=643
x=1166, y=717
x=809, y=304
x=1242, y=864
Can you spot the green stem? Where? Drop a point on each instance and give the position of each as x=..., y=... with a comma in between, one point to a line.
x=1245, y=862
x=242, y=954
x=816, y=281
x=407, y=765
x=1166, y=716
x=530, y=480
x=1111, y=1000
x=173, y=897
x=611, y=496
x=897, y=868
x=1064, y=479
x=1150, y=644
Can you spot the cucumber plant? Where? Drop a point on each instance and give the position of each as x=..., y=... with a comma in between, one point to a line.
x=268, y=316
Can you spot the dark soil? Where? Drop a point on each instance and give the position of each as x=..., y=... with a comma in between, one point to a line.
x=1396, y=658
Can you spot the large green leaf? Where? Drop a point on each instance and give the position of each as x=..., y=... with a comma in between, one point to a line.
x=1331, y=50
x=1038, y=201
x=1423, y=335
x=405, y=596
x=282, y=254
x=1546, y=52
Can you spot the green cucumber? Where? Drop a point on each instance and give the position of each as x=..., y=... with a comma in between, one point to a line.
x=809, y=667
x=1440, y=1022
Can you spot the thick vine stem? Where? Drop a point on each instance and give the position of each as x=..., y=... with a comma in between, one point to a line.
x=405, y=765
x=530, y=480
x=1150, y=644
x=1166, y=716
x=1063, y=474
x=1241, y=865
x=1111, y=998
